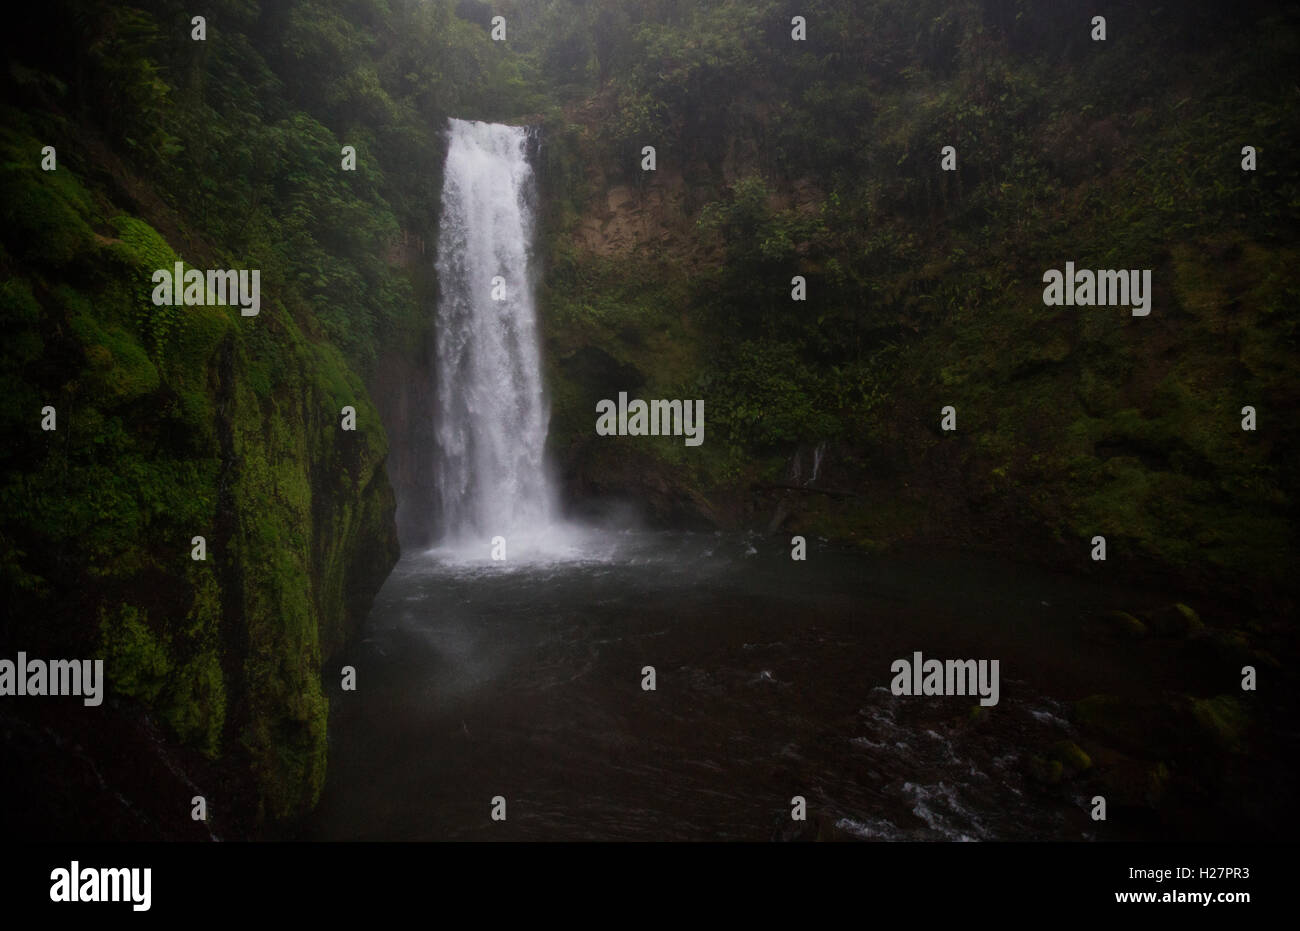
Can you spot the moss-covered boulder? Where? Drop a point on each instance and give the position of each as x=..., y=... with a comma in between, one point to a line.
x=1130, y=781
x=1126, y=626
x=1223, y=721
x=1046, y=771
x=1071, y=756
x=1175, y=620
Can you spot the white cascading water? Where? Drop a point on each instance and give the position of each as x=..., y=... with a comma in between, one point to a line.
x=492, y=478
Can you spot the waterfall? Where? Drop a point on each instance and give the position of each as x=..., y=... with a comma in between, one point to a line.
x=492, y=412
x=817, y=461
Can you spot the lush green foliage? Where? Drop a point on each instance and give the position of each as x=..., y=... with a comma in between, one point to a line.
x=775, y=159
x=821, y=159
x=183, y=421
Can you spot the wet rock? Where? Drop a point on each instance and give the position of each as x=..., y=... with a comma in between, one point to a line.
x=1048, y=772
x=1071, y=756
x=1175, y=620
x=1228, y=649
x=1223, y=721
x=1131, y=783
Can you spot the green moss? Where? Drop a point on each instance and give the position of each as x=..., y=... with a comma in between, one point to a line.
x=1048, y=772
x=1071, y=756
x=136, y=659
x=143, y=251
x=137, y=474
x=44, y=215
x=118, y=370
x=196, y=704
x=923, y=292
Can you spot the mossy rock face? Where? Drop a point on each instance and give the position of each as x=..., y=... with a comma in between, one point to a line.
x=598, y=375
x=136, y=660
x=177, y=421
x=1175, y=620
x=1071, y=756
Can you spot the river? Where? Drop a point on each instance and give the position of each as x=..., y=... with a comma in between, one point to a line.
x=523, y=679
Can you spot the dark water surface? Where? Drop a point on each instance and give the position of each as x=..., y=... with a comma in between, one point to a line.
x=523, y=679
